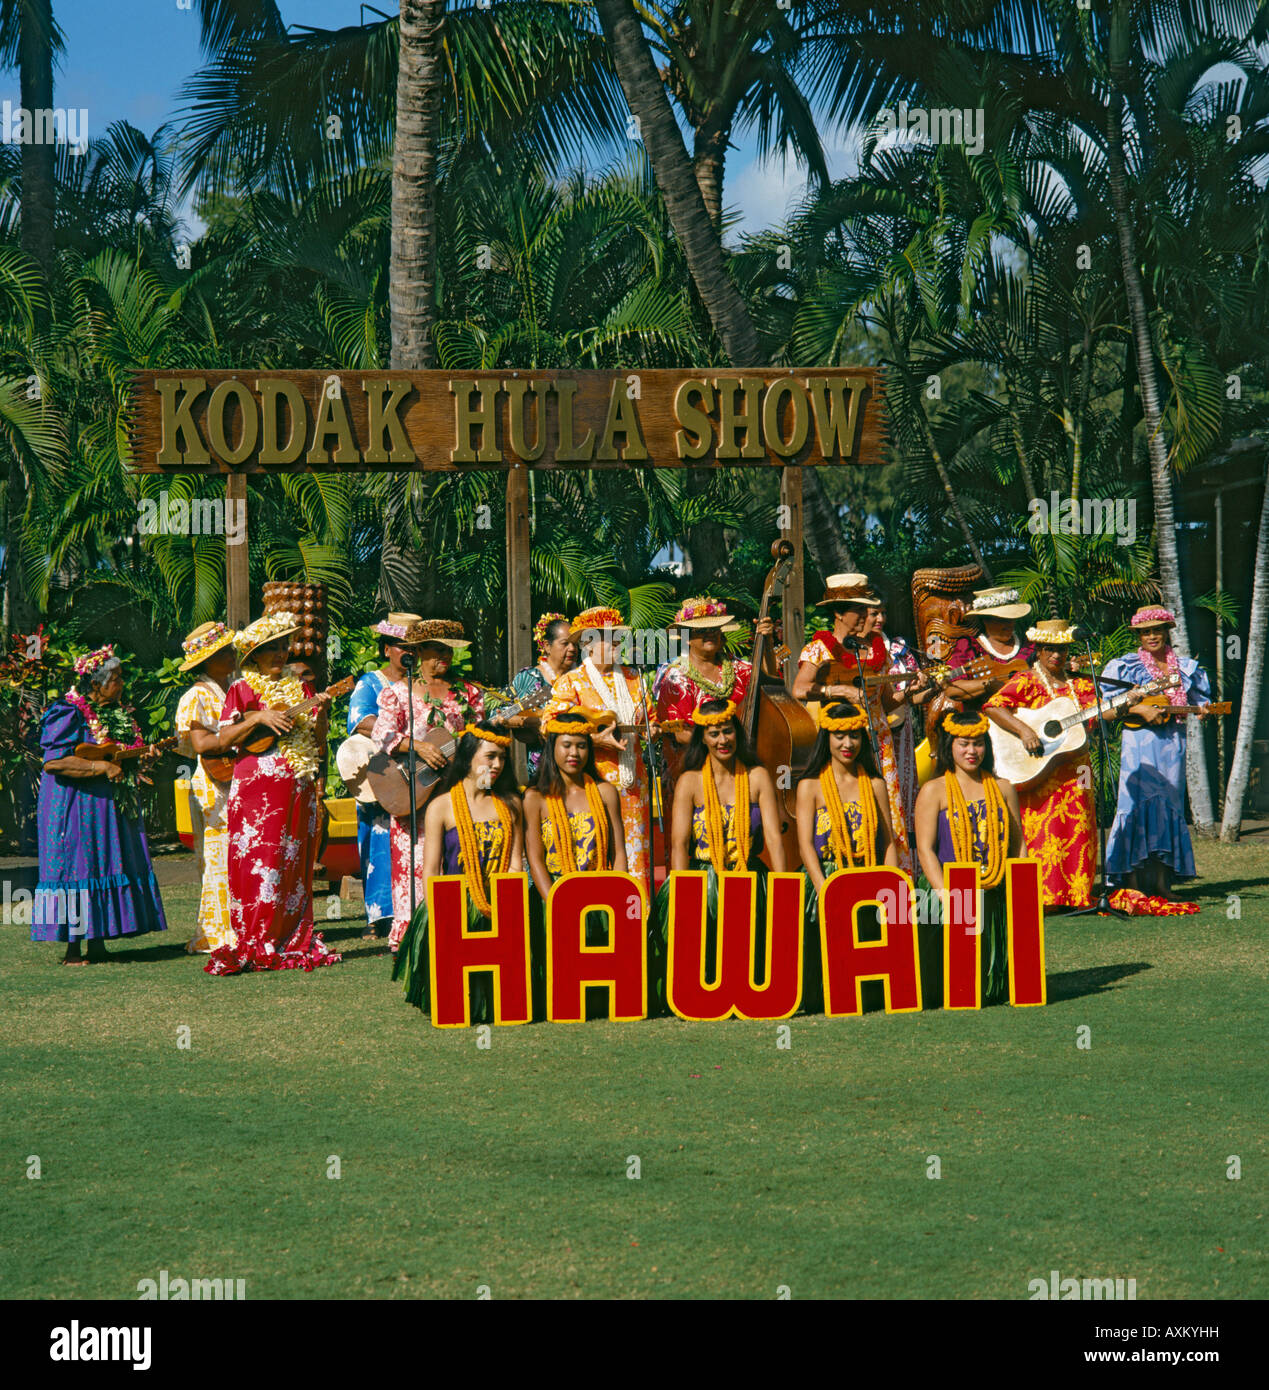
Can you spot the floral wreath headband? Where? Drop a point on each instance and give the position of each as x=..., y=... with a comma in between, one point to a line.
x=964, y=725
x=1153, y=617
x=85, y=665
x=499, y=740
x=844, y=724
x=542, y=625
x=722, y=716
x=570, y=723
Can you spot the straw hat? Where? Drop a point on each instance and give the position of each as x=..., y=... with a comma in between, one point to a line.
x=266, y=629
x=445, y=632
x=999, y=602
x=395, y=624
x=705, y=612
x=592, y=619
x=849, y=588
x=206, y=640
x=1052, y=632
x=1153, y=617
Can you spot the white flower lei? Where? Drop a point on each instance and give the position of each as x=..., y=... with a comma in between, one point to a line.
x=299, y=747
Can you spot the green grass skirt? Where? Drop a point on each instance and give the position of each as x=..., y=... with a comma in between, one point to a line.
x=995, y=948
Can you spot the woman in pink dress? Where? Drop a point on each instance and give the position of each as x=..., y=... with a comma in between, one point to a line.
x=273, y=811
x=439, y=701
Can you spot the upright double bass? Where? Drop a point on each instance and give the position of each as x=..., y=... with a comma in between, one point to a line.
x=780, y=730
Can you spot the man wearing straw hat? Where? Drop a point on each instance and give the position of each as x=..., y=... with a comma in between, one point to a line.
x=1149, y=843
x=374, y=825
x=209, y=650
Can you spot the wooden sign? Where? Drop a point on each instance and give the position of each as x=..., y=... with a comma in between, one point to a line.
x=195, y=421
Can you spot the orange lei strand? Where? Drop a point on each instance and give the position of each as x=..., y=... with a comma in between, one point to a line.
x=842, y=840
x=467, y=844
x=715, y=835
x=557, y=813
x=958, y=820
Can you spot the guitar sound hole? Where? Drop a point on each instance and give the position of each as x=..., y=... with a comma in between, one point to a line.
x=1052, y=729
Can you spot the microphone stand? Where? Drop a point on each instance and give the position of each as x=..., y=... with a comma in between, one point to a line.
x=407, y=661
x=657, y=781
x=855, y=646
x=1102, y=907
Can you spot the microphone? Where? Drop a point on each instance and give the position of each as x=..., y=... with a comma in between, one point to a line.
x=408, y=660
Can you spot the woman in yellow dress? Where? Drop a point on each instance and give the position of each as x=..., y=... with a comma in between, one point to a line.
x=844, y=822
x=572, y=825
x=209, y=649
x=601, y=684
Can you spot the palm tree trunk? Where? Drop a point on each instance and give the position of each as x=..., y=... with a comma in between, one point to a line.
x=1253, y=676
x=709, y=156
x=676, y=178
x=404, y=572
x=822, y=528
x=1160, y=469
x=35, y=65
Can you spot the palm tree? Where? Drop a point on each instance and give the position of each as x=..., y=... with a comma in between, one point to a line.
x=29, y=40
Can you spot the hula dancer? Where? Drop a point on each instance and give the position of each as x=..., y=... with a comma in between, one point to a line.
x=967, y=816
x=473, y=827
x=724, y=812
x=844, y=822
x=572, y=825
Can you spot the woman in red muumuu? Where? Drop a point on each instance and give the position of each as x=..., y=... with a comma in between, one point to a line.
x=272, y=814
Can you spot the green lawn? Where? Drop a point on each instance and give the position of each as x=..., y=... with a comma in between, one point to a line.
x=507, y=1167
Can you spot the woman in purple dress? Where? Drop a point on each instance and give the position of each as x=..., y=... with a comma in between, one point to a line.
x=96, y=880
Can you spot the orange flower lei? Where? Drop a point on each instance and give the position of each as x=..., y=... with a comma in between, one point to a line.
x=958, y=821
x=557, y=812
x=470, y=850
x=715, y=835
x=840, y=836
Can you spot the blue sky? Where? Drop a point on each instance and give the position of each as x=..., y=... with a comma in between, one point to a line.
x=128, y=60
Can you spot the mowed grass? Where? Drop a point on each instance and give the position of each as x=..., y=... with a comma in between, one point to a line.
x=760, y=1167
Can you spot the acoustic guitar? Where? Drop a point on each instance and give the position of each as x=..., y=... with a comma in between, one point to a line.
x=220, y=768
x=388, y=777
x=1171, y=711
x=1061, y=728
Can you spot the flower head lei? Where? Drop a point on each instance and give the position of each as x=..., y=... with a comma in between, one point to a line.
x=575, y=722
x=843, y=724
x=500, y=740
x=965, y=725
x=85, y=665
x=540, y=630
x=722, y=716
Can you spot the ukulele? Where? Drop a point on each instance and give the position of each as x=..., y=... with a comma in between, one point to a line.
x=1171, y=711
x=388, y=775
x=114, y=753
x=220, y=768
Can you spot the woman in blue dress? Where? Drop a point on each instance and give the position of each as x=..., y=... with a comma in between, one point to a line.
x=374, y=825
x=96, y=881
x=1149, y=844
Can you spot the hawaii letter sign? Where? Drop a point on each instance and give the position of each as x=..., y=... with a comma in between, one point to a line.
x=195, y=421
x=703, y=991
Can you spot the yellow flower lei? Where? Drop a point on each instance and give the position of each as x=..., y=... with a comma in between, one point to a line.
x=557, y=812
x=716, y=839
x=843, y=842
x=958, y=821
x=299, y=747
x=466, y=828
